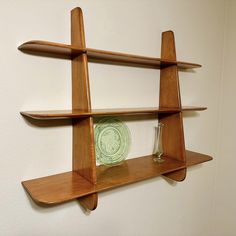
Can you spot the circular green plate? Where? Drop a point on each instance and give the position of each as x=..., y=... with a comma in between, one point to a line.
x=112, y=141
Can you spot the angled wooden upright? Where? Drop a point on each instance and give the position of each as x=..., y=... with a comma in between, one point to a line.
x=84, y=161
x=173, y=133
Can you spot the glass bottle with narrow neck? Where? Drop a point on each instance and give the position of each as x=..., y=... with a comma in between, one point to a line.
x=158, y=148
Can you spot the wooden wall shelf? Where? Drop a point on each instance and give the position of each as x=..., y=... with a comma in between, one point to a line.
x=69, y=114
x=86, y=179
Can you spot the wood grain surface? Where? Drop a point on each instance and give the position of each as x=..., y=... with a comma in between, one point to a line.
x=68, y=186
x=83, y=137
x=79, y=113
x=173, y=133
x=100, y=56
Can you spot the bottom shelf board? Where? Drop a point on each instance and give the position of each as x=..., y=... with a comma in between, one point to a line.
x=67, y=186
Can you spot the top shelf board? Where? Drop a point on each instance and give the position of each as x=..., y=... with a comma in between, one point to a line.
x=100, y=56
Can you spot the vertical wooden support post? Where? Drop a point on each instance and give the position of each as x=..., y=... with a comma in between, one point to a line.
x=83, y=137
x=173, y=134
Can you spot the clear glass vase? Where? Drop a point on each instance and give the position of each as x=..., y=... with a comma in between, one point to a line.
x=158, y=149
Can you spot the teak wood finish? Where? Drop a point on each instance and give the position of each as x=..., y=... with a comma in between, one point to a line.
x=67, y=186
x=83, y=138
x=173, y=135
x=100, y=56
x=86, y=179
x=79, y=113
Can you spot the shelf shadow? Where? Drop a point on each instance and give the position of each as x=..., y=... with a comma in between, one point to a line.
x=130, y=118
x=187, y=70
x=47, y=123
x=190, y=114
x=46, y=54
x=44, y=208
x=120, y=63
x=170, y=181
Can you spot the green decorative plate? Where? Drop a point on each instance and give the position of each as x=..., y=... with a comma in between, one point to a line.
x=112, y=141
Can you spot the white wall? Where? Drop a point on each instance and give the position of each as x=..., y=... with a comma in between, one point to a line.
x=225, y=192
x=30, y=150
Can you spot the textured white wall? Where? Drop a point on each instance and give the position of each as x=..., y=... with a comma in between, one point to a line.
x=225, y=191
x=30, y=150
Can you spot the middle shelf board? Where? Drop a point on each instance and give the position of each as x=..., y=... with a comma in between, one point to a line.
x=68, y=114
x=70, y=185
x=102, y=56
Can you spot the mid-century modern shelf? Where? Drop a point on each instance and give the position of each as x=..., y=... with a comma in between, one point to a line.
x=86, y=179
x=67, y=114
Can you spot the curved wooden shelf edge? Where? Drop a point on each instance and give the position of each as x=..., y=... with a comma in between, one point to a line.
x=70, y=114
x=60, y=188
x=103, y=56
x=50, y=48
x=193, y=108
